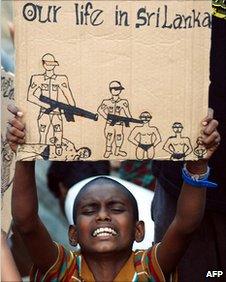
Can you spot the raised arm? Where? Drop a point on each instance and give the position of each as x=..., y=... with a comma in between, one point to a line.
x=190, y=206
x=25, y=203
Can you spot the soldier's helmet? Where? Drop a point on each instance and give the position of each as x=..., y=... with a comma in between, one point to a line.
x=115, y=86
x=49, y=60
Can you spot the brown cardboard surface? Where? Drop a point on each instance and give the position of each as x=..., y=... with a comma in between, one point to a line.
x=7, y=155
x=139, y=69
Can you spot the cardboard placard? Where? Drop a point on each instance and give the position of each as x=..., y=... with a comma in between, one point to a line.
x=112, y=79
x=7, y=155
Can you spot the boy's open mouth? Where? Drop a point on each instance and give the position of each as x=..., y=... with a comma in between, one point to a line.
x=104, y=231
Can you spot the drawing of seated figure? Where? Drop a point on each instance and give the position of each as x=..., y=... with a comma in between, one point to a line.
x=53, y=86
x=145, y=137
x=45, y=152
x=177, y=145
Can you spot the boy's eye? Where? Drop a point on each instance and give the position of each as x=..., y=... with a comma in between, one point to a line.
x=88, y=212
x=89, y=209
x=117, y=209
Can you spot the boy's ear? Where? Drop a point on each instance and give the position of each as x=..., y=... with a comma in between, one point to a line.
x=72, y=234
x=140, y=231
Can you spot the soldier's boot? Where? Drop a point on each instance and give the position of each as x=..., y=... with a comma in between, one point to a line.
x=120, y=153
x=108, y=152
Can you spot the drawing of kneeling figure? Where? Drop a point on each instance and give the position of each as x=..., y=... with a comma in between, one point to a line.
x=145, y=137
x=46, y=152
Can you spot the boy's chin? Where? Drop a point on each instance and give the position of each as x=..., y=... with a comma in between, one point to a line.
x=103, y=248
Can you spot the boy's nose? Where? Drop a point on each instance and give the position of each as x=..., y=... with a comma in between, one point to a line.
x=103, y=215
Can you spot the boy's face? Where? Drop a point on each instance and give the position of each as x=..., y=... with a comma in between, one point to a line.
x=105, y=221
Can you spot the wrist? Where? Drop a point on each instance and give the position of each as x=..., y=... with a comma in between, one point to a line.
x=28, y=166
x=197, y=167
x=196, y=174
x=198, y=179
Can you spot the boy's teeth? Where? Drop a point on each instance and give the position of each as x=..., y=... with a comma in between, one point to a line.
x=104, y=231
x=103, y=234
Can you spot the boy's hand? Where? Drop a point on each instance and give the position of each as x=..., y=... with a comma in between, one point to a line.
x=210, y=140
x=16, y=129
x=210, y=135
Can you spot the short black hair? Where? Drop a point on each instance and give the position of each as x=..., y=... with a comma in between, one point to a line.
x=70, y=173
x=100, y=180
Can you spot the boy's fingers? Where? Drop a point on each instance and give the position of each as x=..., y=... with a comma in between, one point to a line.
x=211, y=140
x=14, y=110
x=210, y=113
x=13, y=146
x=209, y=117
x=16, y=123
x=211, y=127
x=16, y=132
x=14, y=139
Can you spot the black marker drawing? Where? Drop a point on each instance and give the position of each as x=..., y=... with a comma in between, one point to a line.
x=145, y=137
x=69, y=111
x=7, y=85
x=200, y=150
x=47, y=91
x=126, y=120
x=177, y=145
x=53, y=86
x=7, y=156
x=116, y=112
x=47, y=152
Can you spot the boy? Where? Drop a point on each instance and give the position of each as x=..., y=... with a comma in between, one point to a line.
x=106, y=223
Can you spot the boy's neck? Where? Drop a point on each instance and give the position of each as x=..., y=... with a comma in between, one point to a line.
x=105, y=267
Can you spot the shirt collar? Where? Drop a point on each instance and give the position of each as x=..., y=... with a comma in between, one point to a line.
x=49, y=77
x=115, y=101
x=125, y=274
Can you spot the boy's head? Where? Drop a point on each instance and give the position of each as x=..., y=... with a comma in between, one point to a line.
x=62, y=176
x=105, y=218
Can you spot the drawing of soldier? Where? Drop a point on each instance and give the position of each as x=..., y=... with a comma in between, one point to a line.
x=145, y=137
x=178, y=146
x=53, y=86
x=116, y=106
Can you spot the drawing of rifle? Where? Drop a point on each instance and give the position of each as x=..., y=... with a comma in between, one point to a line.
x=69, y=111
x=126, y=120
